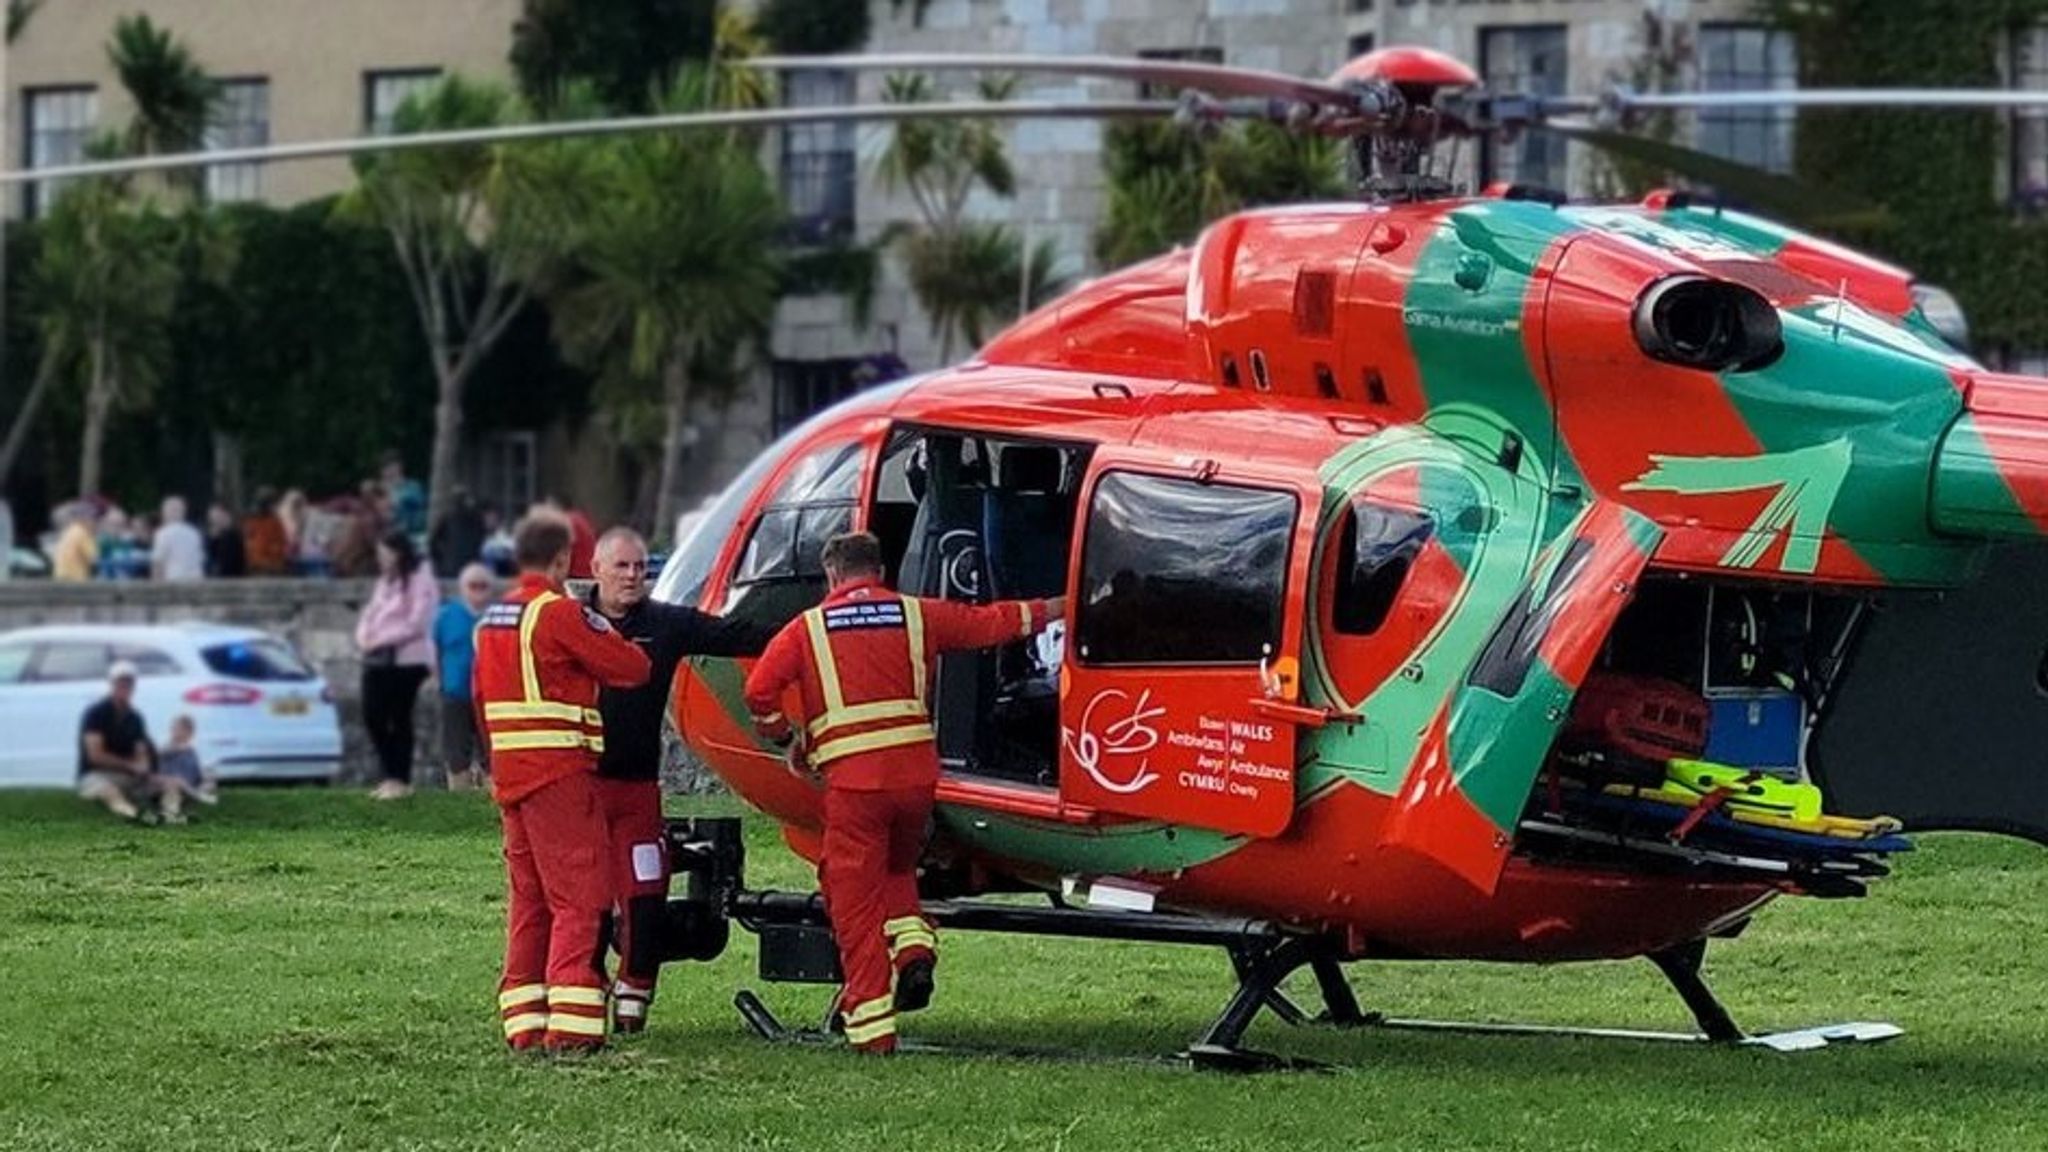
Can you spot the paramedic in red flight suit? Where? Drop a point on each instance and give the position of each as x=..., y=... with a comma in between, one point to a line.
x=540, y=659
x=862, y=663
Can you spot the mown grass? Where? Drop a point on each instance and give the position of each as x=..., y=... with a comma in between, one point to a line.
x=309, y=970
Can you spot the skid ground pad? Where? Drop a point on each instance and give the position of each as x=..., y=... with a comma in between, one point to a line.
x=1799, y=1040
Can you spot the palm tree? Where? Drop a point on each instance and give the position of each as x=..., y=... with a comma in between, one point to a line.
x=18, y=14
x=940, y=164
x=474, y=228
x=110, y=265
x=675, y=270
x=174, y=97
x=1166, y=182
x=975, y=276
x=107, y=279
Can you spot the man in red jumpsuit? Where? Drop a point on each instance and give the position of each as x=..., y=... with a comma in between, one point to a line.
x=861, y=662
x=540, y=659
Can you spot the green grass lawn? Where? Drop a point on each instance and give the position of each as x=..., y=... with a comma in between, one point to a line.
x=308, y=970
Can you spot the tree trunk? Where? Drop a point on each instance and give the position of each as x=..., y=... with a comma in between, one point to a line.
x=447, y=441
x=99, y=400
x=676, y=395
x=17, y=436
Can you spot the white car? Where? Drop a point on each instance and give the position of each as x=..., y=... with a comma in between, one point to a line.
x=259, y=711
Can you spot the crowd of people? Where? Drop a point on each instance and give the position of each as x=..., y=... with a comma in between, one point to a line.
x=283, y=534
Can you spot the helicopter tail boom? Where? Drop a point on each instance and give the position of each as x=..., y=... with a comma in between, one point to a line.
x=1991, y=474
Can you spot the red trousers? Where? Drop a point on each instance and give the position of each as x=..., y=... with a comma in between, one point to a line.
x=553, y=989
x=638, y=846
x=868, y=873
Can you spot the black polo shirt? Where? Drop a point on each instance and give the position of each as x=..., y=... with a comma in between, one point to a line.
x=120, y=729
x=668, y=634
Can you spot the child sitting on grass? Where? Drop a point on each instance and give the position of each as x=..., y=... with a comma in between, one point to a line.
x=178, y=761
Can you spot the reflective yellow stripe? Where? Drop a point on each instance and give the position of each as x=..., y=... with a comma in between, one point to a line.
x=528, y=621
x=913, y=624
x=523, y=994
x=528, y=741
x=576, y=1025
x=542, y=710
x=1025, y=606
x=870, y=742
x=584, y=997
x=821, y=655
x=869, y=713
x=863, y=1013
x=526, y=1022
x=911, y=940
x=869, y=1033
x=903, y=924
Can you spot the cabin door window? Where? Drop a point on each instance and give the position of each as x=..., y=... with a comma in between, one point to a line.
x=1182, y=650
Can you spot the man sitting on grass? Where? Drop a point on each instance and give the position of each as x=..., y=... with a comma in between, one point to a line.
x=116, y=761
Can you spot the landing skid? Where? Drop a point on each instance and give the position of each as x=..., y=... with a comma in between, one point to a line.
x=1260, y=974
x=796, y=947
x=1263, y=959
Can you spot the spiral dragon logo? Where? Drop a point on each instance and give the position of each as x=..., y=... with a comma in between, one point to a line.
x=1115, y=730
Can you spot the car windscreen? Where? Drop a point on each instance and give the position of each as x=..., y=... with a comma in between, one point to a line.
x=259, y=659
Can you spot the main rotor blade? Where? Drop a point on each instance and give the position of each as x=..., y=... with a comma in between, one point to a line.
x=1221, y=79
x=1798, y=202
x=1838, y=98
x=512, y=133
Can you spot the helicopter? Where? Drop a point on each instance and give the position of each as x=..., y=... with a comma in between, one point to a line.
x=1452, y=576
x=1455, y=575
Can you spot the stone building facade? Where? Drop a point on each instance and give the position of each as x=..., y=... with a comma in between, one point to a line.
x=307, y=69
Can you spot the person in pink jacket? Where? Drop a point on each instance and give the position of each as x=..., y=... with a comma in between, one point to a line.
x=394, y=636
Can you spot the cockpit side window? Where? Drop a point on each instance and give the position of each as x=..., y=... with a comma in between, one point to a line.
x=1376, y=551
x=780, y=572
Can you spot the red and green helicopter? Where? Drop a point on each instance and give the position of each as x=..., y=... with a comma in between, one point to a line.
x=1452, y=576
x=1455, y=576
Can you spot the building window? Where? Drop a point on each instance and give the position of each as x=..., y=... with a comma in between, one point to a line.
x=58, y=123
x=384, y=92
x=1359, y=45
x=2028, y=72
x=804, y=388
x=1358, y=5
x=1178, y=571
x=818, y=165
x=1748, y=58
x=1528, y=60
x=1183, y=55
x=507, y=472
x=240, y=120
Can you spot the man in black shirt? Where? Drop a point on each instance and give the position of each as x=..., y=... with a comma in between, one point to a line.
x=629, y=769
x=116, y=761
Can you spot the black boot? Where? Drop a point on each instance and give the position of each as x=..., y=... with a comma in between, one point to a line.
x=915, y=983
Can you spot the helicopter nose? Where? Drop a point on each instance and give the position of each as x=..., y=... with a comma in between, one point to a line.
x=1991, y=472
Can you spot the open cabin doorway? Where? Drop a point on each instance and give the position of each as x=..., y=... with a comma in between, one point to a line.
x=974, y=517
